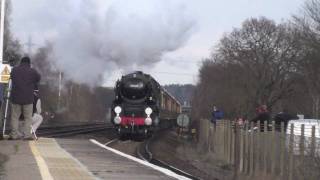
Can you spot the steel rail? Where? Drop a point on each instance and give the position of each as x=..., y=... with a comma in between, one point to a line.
x=111, y=142
x=72, y=130
x=144, y=153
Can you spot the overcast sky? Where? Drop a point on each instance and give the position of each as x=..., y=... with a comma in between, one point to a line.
x=204, y=23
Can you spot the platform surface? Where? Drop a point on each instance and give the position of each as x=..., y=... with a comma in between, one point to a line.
x=20, y=162
x=69, y=159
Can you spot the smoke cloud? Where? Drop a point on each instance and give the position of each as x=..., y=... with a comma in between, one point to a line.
x=97, y=39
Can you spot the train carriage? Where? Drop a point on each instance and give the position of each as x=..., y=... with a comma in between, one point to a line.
x=141, y=105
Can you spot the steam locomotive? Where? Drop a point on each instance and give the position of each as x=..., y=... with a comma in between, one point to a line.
x=141, y=105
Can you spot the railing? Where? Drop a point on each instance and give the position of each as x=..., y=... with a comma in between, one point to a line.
x=264, y=152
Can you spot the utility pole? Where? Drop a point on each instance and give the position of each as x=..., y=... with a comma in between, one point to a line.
x=3, y=4
x=2, y=14
x=29, y=45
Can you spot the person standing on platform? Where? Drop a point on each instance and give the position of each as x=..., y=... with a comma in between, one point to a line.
x=36, y=117
x=24, y=81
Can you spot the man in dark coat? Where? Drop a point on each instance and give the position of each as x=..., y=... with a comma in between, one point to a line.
x=216, y=115
x=24, y=81
x=284, y=117
x=262, y=116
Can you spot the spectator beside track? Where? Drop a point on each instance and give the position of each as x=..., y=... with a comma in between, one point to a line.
x=262, y=116
x=216, y=115
x=240, y=121
x=36, y=117
x=24, y=81
x=285, y=117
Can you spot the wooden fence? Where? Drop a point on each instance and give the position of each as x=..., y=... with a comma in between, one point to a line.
x=268, y=152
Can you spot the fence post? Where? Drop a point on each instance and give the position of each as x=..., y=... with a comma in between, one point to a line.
x=200, y=131
x=231, y=143
x=313, y=141
x=241, y=150
x=251, y=151
x=282, y=149
x=246, y=150
x=220, y=140
x=302, y=148
x=273, y=143
x=228, y=142
x=234, y=141
x=291, y=153
x=257, y=149
x=224, y=140
x=265, y=149
x=204, y=134
x=301, y=144
x=208, y=136
x=236, y=151
x=213, y=138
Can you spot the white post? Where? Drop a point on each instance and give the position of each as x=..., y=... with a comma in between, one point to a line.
x=60, y=79
x=6, y=109
x=59, y=93
x=3, y=3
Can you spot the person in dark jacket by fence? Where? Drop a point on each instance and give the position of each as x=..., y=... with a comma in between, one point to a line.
x=262, y=116
x=216, y=115
x=24, y=81
x=284, y=117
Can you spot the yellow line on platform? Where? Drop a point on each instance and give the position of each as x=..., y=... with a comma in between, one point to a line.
x=44, y=170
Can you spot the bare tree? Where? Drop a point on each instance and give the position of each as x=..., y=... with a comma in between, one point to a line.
x=308, y=25
x=12, y=47
x=267, y=54
x=255, y=64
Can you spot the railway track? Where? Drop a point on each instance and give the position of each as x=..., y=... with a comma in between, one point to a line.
x=143, y=152
x=111, y=142
x=71, y=130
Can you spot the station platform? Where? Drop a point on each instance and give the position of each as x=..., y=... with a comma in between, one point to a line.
x=71, y=159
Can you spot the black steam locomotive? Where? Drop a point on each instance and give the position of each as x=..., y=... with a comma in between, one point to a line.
x=141, y=105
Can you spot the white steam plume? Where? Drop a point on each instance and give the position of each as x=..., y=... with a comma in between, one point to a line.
x=96, y=39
